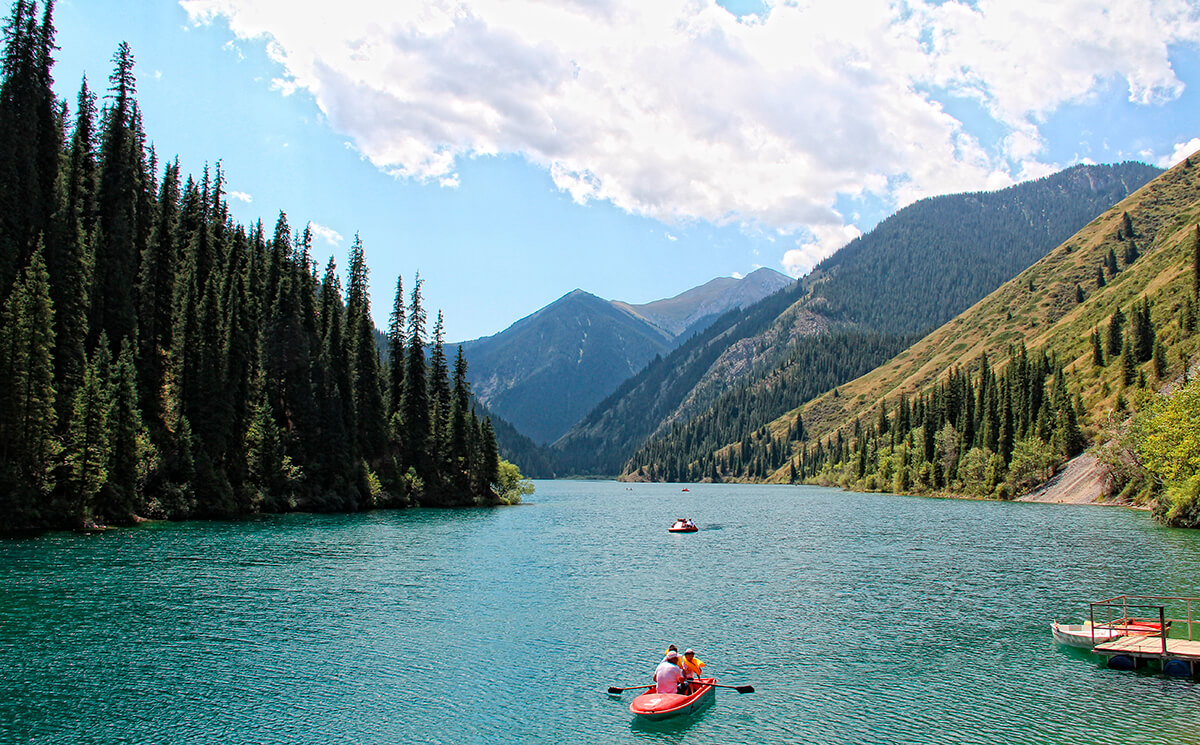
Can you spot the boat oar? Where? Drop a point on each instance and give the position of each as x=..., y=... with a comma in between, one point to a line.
x=614, y=689
x=739, y=689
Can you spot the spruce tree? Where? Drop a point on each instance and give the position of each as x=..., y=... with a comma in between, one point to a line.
x=120, y=499
x=1097, y=349
x=439, y=394
x=88, y=436
x=1114, y=339
x=28, y=446
x=371, y=436
x=459, y=411
x=118, y=197
x=416, y=393
x=395, y=340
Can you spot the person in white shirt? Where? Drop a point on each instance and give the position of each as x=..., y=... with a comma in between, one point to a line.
x=667, y=676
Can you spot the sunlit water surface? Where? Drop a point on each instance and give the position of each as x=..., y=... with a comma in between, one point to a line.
x=858, y=619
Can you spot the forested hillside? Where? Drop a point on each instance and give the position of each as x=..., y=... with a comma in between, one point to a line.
x=1095, y=344
x=603, y=440
x=548, y=369
x=916, y=269
x=934, y=258
x=159, y=360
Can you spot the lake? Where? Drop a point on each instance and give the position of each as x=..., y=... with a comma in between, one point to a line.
x=858, y=618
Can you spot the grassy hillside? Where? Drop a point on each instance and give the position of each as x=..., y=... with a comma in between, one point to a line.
x=917, y=269
x=1055, y=306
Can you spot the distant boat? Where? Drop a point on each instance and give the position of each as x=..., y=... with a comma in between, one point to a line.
x=683, y=526
x=685, y=489
x=1085, y=636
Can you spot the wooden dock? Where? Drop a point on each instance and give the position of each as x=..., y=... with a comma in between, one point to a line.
x=1175, y=656
x=1151, y=647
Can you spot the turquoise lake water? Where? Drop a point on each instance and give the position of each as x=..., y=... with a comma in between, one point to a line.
x=858, y=618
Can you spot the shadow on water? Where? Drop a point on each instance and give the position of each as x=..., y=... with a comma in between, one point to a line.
x=674, y=725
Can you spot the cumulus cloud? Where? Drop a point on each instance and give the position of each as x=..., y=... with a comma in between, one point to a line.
x=241, y=196
x=676, y=110
x=820, y=242
x=329, y=235
x=1181, y=151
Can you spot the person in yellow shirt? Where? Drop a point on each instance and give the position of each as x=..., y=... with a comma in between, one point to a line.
x=691, y=664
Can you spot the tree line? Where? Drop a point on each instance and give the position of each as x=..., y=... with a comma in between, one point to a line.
x=158, y=359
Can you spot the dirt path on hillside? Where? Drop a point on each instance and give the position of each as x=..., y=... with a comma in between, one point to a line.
x=1080, y=482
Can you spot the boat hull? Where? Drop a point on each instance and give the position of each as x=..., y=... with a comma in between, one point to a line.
x=654, y=706
x=1085, y=636
x=682, y=530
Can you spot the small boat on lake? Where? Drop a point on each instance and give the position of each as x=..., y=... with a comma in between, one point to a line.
x=683, y=525
x=1086, y=636
x=655, y=706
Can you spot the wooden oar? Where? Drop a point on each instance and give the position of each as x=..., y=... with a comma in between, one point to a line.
x=614, y=689
x=739, y=689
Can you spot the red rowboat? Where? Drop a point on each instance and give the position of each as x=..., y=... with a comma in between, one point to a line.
x=654, y=706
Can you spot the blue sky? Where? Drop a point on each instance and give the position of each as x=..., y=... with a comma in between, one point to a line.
x=513, y=151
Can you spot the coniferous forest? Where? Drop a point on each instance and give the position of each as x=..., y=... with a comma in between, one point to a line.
x=159, y=360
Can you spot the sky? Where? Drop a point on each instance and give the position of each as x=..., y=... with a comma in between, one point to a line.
x=510, y=151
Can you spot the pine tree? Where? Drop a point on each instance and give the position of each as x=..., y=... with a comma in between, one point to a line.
x=88, y=436
x=459, y=411
x=371, y=436
x=28, y=446
x=157, y=291
x=439, y=394
x=118, y=198
x=416, y=393
x=1129, y=366
x=68, y=254
x=1097, y=349
x=1100, y=277
x=1131, y=252
x=1111, y=262
x=1114, y=339
x=395, y=340
x=120, y=498
x=32, y=140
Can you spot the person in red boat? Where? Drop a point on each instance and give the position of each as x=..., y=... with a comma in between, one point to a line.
x=668, y=677
x=691, y=664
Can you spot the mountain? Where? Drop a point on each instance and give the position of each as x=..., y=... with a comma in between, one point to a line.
x=696, y=308
x=550, y=368
x=600, y=443
x=1093, y=331
x=915, y=270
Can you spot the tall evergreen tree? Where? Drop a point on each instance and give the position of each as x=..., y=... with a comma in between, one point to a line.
x=28, y=446
x=371, y=434
x=416, y=391
x=395, y=341
x=119, y=499
x=32, y=140
x=88, y=436
x=118, y=198
x=439, y=393
x=1113, y=341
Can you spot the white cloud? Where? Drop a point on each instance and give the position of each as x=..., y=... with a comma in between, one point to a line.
x=819, y=244
x=676, y=110
x=1181, y=151
x=241, y=196
x=737, y=275
x=671, y=237
x=330, y=235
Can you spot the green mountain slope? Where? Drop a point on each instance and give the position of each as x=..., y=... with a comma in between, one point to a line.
x=1045, y=334
x=545, y=371
x=918, y=268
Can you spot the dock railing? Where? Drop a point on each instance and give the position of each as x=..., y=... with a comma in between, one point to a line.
x=1135, y=614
